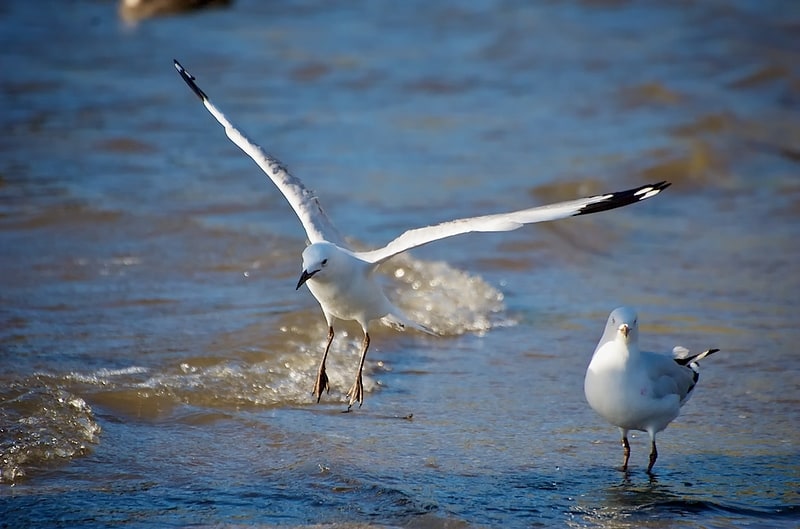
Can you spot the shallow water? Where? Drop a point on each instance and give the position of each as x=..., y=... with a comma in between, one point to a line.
x=158, y=362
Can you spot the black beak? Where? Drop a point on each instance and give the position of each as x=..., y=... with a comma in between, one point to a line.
x=305, y=276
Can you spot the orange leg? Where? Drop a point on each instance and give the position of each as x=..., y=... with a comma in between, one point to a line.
x=356, y=393
x=322, y=378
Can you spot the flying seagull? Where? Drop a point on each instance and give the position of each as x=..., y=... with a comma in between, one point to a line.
x=342, y=279
x=634, y=389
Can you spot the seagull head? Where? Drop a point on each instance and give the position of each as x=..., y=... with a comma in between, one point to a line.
x=623, y=323
x=316, y=258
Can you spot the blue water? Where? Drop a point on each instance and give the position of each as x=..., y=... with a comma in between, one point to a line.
x=158, y=362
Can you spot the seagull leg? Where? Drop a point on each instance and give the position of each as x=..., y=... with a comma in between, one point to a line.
x=626, y=450
x=356, y=393
x=653, y=455
x=322, y=378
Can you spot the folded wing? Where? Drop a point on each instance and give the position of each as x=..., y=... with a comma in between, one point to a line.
x=674, y=376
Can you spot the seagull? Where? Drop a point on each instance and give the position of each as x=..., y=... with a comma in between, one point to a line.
x=634, y=389
x=343, y=280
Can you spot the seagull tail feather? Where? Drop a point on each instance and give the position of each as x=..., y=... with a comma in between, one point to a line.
x=399, y=321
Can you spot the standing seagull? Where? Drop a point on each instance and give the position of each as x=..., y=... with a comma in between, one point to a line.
x=638, y=390
x=342, y=280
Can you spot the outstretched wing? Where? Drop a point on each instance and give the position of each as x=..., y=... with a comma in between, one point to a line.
x=513, y=220
x=316, y=223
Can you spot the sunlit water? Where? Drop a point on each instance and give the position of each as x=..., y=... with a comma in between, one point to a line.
x=157, y=361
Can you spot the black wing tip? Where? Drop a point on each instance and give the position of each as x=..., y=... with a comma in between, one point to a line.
x=189, y=79
x=658, y=187
x=623, y=198
x=695, y=358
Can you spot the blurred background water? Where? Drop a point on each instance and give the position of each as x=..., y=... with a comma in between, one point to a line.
x=157, y=361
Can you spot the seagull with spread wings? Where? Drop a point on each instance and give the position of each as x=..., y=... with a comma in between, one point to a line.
x=343, y=281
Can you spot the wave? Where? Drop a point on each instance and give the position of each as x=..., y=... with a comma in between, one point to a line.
x=41, y=425
x=277, y=367
x=443, y=298
x=45, y=422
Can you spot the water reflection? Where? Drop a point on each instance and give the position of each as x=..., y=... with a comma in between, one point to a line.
x=633, y=502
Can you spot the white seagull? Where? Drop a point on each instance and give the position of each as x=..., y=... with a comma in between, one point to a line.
x=343, y=281
x=634, y=389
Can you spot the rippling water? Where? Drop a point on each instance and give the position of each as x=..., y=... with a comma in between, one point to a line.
x=158, y=362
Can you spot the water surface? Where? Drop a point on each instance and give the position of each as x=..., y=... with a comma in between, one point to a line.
x=158, y=362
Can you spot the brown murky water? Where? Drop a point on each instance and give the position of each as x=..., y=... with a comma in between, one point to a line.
x=157, y=361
